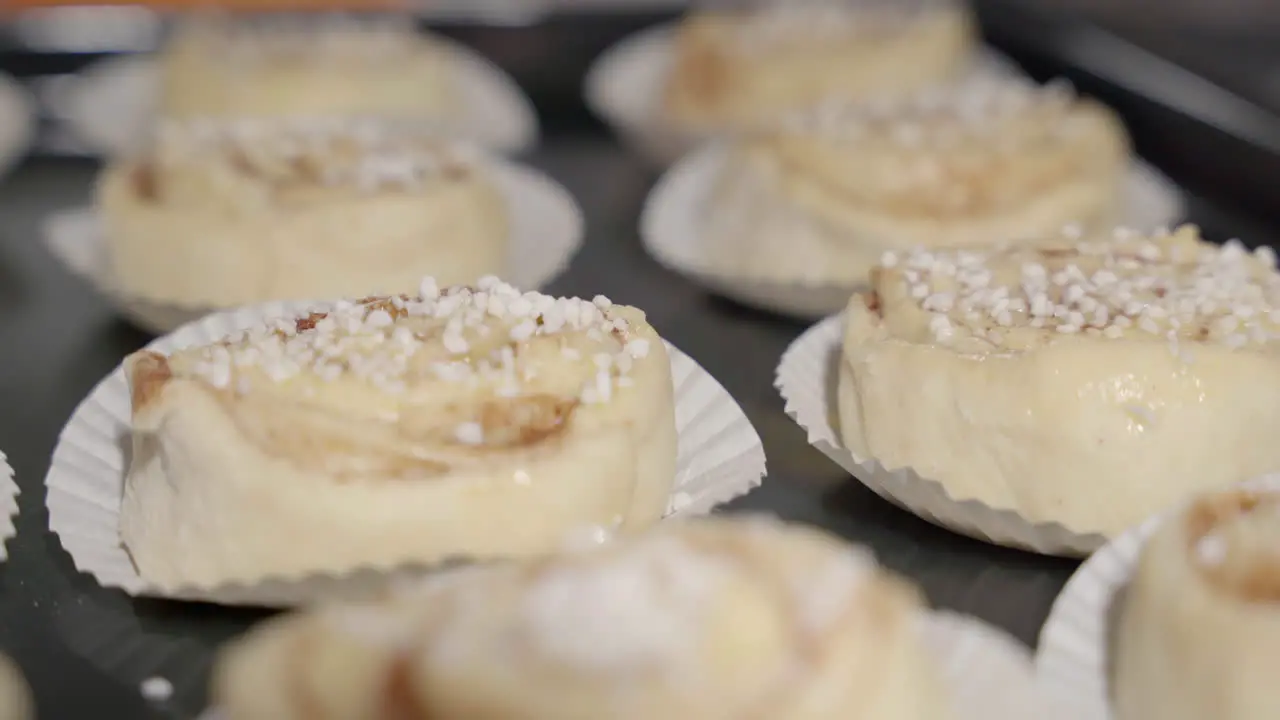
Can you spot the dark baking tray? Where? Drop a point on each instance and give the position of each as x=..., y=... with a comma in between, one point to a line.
x=1221, y=143
x=85, y=650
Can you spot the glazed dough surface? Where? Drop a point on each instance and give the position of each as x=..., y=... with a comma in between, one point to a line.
x=822, y=196
x=1092, y=383
x=324, y=66
x=224, y=214
x=1199, y=632
x=735, y=69
x=470, y=422
x=705, y=620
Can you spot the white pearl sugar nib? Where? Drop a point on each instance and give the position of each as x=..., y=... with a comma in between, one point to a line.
x=483, y=331
x=1171, y=286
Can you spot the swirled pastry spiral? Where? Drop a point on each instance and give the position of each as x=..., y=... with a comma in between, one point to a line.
x=227, y=214
x=1091, y=383
x=824, y=194
x=738, y=68
x=317, y=66
x=703, y=620
x=1199, y=630
x=465, y=422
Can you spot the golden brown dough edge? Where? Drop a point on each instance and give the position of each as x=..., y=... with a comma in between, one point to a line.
x=148, y=373
x=1255, y=581
x=701, y=77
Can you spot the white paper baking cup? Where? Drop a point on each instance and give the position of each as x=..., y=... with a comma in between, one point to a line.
x=546, y=232
x=674, y=229
x=17, y=122
x=719, y=458
x=988, y=675
x=111, y=105
x=807, y=378
x=8, y=505
x=1074, y=650
x=625, y=85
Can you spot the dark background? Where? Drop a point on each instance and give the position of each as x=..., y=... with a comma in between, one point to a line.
x=85, y=650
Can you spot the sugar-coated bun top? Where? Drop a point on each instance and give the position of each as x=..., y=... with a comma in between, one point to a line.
x=457, y=370
x=358, y=154
x=1164, y=287
x=323, y=38
x=971, y=150
x=793, y=23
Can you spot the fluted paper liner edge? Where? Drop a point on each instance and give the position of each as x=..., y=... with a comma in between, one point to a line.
x=8, y=505
x=986, y=674
x=625, y=85
x=673, y=230
x=547, y=228
x=806, y=379
x=719, y=457
x=1072, y=660
x=111, y=104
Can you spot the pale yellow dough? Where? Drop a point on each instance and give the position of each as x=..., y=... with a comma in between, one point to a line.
x=235, y=213
x=821, y=197
x=704, y=620
x=15, y=695
x=1091, y=384
x=736, y=69
x=328, y=68
x=474, y=423
x=1199, y=631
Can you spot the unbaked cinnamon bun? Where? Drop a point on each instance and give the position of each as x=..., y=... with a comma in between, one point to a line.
x=330, y=66
x=1199, y=630
x=1092, y=382
x=821, y=196
x=705, y=620
x=736, y=68
x=474, y=422
x=222, y=214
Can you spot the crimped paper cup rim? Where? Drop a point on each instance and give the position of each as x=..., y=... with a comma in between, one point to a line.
x=1072, y=659
x=977, y=661
x=494, y=102
x=86, y=475
x=546, y=231
x=9, y=492
x=624, y=86
x=988, y=674
x=17, y=109
x=672, y=229
x=805, y=371
x=599, y=82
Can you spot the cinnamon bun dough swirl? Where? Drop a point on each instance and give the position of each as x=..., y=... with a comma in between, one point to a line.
x=1198, y=636
x=1091, y=383
x=821, y=196
x=227, y=214
x=274, y=68
x=465, y=422
x=738, y=68
x=702, y=620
